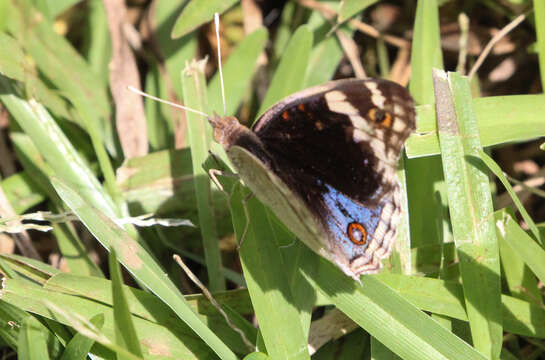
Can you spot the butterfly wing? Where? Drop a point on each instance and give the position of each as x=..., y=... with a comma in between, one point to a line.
x=330, y=155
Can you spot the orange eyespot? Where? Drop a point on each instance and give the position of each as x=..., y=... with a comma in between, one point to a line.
x=285, y=115
x=301, y=107
x=382, y=117
x=357, y=233
x=319, y=125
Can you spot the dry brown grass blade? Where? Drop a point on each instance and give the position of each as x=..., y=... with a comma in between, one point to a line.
x=401, y=69
x=352, y=53
x=129, y=108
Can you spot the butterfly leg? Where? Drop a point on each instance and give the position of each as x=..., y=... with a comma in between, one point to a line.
x=212, y=173
x=219, y=169
x=247, y=216
x=213, y=176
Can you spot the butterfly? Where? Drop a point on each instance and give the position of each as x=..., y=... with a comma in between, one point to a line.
x=324, y=161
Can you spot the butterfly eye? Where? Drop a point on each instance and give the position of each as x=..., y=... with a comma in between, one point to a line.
x=382, y=117
x=356, y=233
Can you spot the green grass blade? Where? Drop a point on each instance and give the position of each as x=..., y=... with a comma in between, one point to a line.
x=21, y=191
x=158, y=119
x=284, y=30
x=84, y=326
x=104, y=162
x=432, y=295
x=304, y=295
x=56, y=7
x=163, y=79
x=12, y=58
x=470, y=205
x=350, y=8
x=257, y=356
x=32, y=340
x=30, y=268
x=199, y=138
x=80, y=345
x=501, y=119
x=144, y=305
x=125, y=333
x=177, y=52
x=140, y=264
x=506, y=355
x=76, y=256
x=238, y=71
x=55, y=147
x=289, y=77
x=521, y=281
x=495, y=168
x=10, y=314
x=173, y=338
x=382, y=312
x=74, y=251
x=162, y=183
x=539, y=16
x=197, y=13
x=149, y=182
x=99, y=49
x=63, y=66
x=327, y=51
x=447, y=298
x=269, y=289
x=426, y=51
x=424, y=178
x=528, y=250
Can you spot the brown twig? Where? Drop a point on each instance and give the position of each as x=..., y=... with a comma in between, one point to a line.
x=496, y=38
x=130, y=118
x=213, y=301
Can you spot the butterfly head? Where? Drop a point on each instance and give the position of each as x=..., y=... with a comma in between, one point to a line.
x=226, y=128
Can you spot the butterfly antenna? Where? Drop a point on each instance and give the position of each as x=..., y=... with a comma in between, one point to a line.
x=217, y=23
x=135, y=90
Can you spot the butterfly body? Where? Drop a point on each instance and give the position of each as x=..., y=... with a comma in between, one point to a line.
x=324, y=161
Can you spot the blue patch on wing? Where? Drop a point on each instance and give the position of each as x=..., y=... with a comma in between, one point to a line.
x=341, y=211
